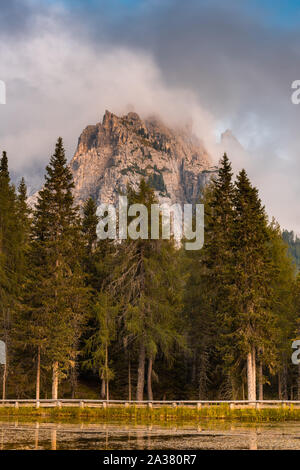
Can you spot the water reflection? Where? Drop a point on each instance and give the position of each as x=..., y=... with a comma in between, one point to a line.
x=252, y=440
x=105, y=436
x=36, y=436
x=53, y=439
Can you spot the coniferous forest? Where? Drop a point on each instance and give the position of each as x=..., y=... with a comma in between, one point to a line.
x=90, y=318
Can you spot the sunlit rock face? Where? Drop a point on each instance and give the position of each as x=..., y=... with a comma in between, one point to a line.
x=123, y=150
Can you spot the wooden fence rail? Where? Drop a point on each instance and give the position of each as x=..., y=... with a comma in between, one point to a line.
x=145, y=403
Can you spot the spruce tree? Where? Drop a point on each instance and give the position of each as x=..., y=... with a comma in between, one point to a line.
x=60, y=296
x=89, y=225
x=9, y=250
x=20, y=376
x=214, y=279
x=251, y=321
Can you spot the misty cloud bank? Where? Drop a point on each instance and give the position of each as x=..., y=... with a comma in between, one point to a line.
x=221, y=66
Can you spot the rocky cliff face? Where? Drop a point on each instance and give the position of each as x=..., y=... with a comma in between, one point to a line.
x=122, y=150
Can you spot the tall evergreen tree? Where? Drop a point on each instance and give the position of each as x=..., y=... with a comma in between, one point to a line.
x=103, y=334
x=214, y=277
x=59, y=299
x=9, y=250
x=147, y=281
x=277, y=358
x=249, y=317
x=101, y=329
x=89, y=225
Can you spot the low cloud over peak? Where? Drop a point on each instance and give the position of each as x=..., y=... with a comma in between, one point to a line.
x=220, y=66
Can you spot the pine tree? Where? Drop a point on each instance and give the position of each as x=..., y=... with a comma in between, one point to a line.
x=23, y=223
x=22, y=228
x=282, y=304
x=101, y=323
x=212, y=279
x=60, y=298
x=9, y=249
x=250, y=318
x=104, y=333
x=146, y=279
x=89, y=225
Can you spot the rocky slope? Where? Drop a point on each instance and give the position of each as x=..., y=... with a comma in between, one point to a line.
x=123, y=150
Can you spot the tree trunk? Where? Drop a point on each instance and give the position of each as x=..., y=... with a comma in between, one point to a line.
x=194, y=368
x=254, y=372
x=202, y=374
x=73, y=380
x=149, y=379
x=129, y=379
x=103, y=387
x=141, y=374
x=4, y=382
x=5, y=371
x=38, y=374
x=106, y=372
x=260, y=382
x=107, y=390
x=55, y=380
x=284, y=382
x=250, y=377
x=279, y=386
x=298, y=383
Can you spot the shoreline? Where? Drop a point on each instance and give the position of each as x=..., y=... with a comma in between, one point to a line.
x=157, y=415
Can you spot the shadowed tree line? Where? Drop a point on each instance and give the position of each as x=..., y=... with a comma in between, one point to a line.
x=92, y=318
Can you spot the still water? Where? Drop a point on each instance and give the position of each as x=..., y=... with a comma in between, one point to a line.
x=92, y=435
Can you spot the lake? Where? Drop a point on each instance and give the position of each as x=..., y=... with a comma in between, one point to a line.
x=103, y=436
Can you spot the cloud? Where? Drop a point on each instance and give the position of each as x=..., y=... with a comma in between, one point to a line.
x=57, y=84
x=225, y=65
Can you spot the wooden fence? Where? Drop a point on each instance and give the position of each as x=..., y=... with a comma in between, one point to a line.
x=82, y=403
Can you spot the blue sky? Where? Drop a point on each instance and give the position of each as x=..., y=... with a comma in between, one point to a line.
x=279, y=12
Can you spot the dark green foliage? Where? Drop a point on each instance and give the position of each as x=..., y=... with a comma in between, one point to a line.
x=56, y=297
x=14, y=241
x=143, y=314
x=293, y=242
x=89, y=225
x=240, y=291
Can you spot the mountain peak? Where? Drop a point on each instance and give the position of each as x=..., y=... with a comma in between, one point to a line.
x=121, y=150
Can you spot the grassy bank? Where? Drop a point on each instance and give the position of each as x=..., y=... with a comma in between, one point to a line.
x=156, y=415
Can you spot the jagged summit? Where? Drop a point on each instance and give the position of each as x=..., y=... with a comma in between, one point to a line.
x=122, y=150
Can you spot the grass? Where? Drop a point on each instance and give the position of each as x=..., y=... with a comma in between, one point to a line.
x=159, y=415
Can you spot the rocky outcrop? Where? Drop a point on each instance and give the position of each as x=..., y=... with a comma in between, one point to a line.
x=122, y=150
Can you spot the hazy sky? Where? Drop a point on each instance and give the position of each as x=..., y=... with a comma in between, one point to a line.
x=223, y=63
